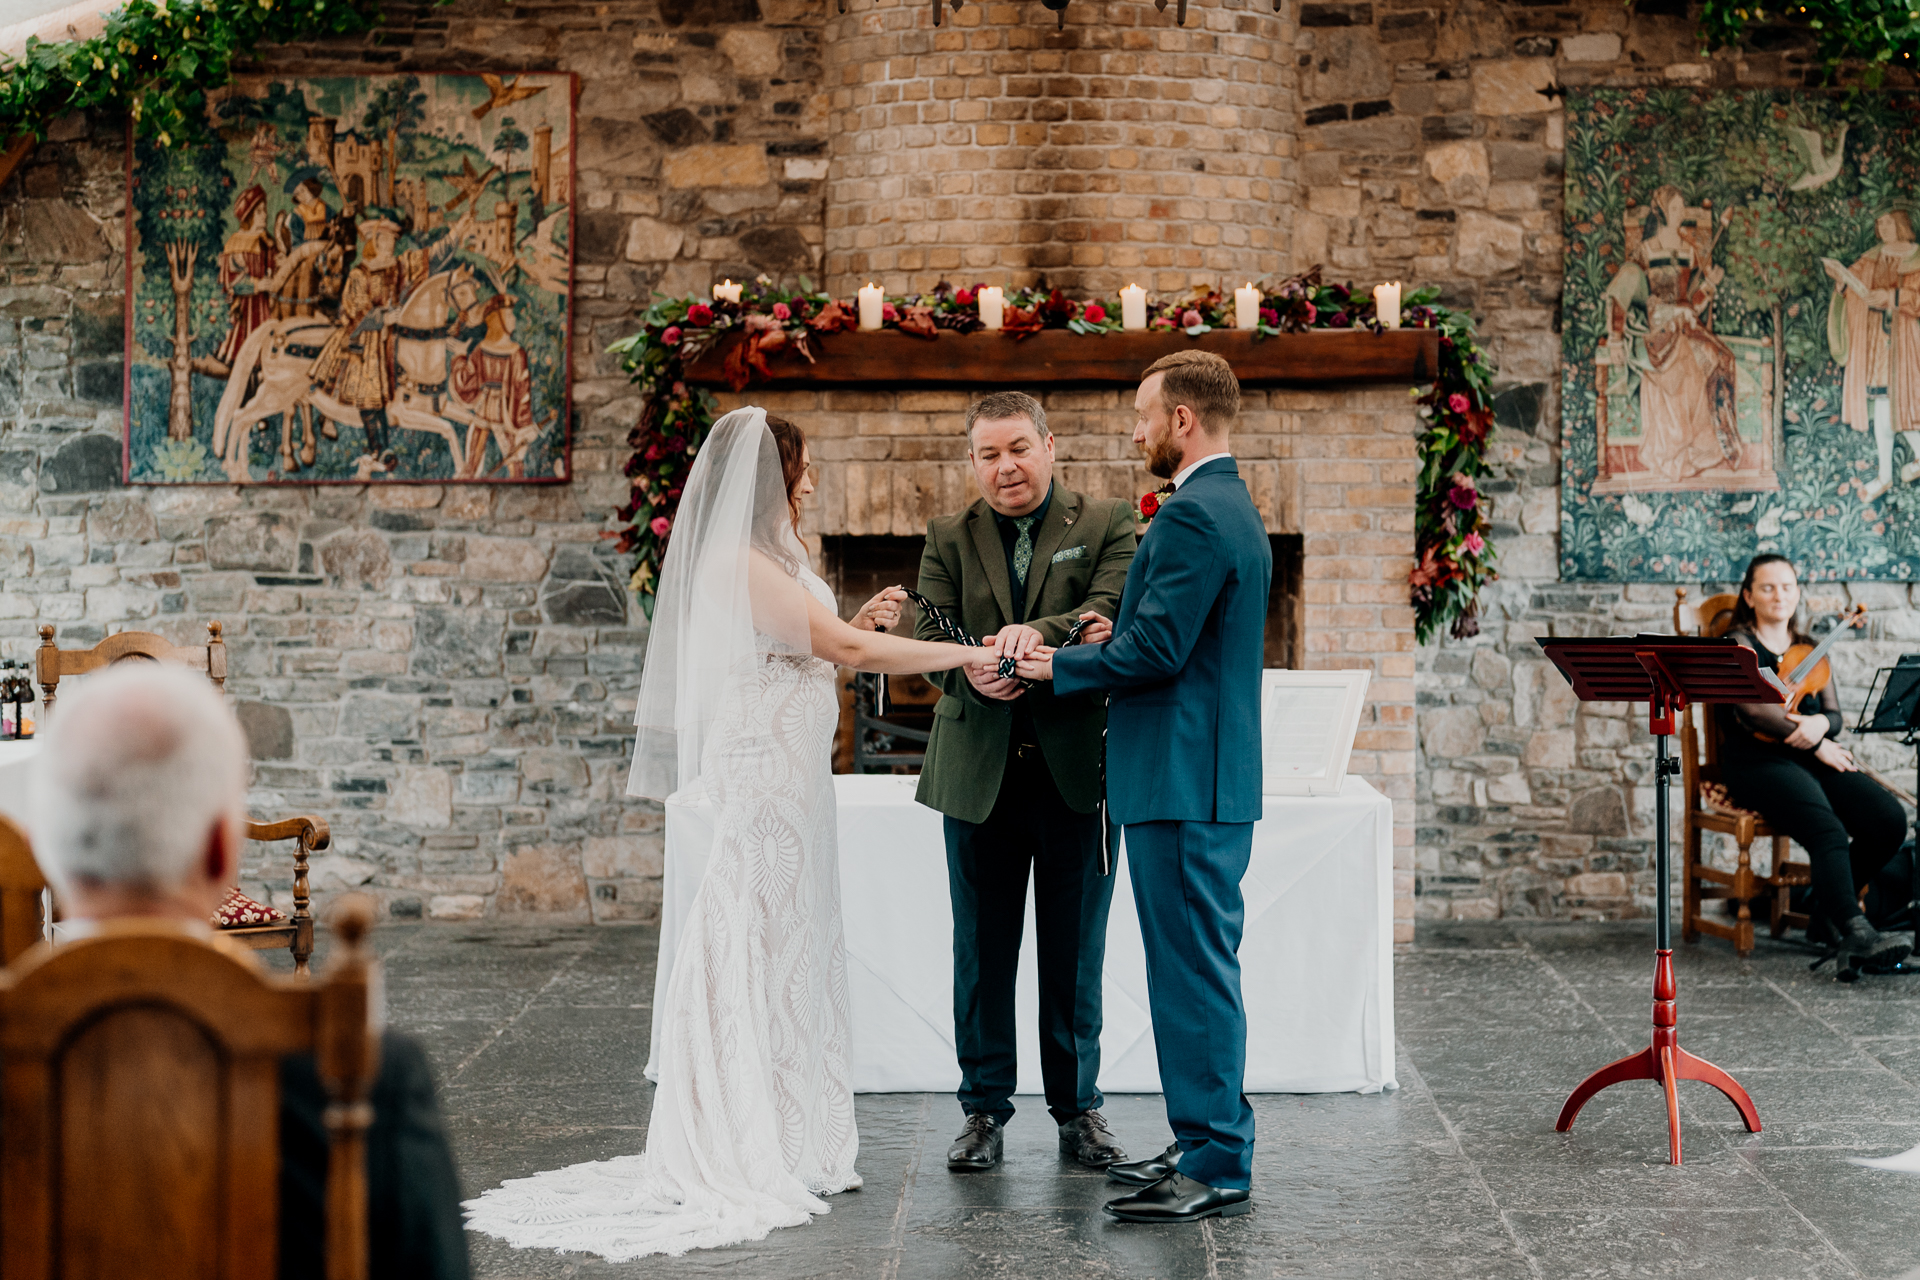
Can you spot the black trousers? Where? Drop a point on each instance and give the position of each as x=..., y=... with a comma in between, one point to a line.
x=1031, y=830
x=1848, y=823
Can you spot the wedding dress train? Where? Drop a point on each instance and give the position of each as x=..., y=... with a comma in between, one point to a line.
x=753, y=1118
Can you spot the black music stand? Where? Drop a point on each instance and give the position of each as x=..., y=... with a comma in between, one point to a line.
x=1893, y=701
x=1666, y=673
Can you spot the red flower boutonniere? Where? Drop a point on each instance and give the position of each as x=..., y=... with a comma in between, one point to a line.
x=1150, y=503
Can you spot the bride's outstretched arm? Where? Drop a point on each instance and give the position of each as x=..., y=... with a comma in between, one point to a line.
x=847, y=646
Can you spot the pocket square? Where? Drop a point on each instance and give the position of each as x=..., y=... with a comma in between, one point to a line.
x=1070, y=553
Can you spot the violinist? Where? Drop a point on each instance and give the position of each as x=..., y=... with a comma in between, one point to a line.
x=1783, y=762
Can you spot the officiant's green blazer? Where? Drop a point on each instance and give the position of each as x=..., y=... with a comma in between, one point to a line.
x=1081, y=554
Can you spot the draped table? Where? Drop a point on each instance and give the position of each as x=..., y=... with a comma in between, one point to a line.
x=1316, y=959
x=16, y=776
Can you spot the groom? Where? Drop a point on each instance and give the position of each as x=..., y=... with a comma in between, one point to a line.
x=1017, y=773
x=1183, y=775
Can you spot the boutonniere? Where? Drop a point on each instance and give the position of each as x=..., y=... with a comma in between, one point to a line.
x=1150, y=503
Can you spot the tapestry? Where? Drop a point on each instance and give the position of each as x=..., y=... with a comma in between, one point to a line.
x=358, y=279
x=1741, y=334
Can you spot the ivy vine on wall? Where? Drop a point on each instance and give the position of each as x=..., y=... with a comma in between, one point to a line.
x=1453, y=554
x=1876, y=34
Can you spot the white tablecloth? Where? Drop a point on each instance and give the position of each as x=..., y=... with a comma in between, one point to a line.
x=1316, y=960
x=16, y=776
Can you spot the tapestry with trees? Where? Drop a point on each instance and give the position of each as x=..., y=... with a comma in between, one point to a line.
x=1741, y=334
x=358, y=279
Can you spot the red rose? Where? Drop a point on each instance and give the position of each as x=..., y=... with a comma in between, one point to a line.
x=1268, y=316
x=1312, y=313
x=781, y=311
x=1096, y=313
x=700, y=314
x=887, y=312
x=671, y=335
x=660, y=525
x=964, y=297
x=1463, y=497
x=1149, y=504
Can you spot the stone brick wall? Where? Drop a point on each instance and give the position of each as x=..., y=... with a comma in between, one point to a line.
x=446, y=674
x=1120, y=149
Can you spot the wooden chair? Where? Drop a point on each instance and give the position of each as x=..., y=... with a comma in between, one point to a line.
x=139, y=1104
x=52, y=663
x=296, y=933
x=1707, y=808
x=22, y=894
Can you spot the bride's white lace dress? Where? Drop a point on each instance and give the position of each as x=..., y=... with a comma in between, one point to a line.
x=753, y=1117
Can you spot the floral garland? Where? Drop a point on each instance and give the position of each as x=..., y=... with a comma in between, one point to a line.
x=1454, y=557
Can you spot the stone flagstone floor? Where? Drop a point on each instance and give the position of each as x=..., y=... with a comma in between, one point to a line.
x=539, y=1035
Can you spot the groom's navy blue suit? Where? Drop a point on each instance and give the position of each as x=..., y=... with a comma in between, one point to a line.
x=1183, y=776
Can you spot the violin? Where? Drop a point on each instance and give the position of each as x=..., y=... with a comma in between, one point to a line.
x=1804, y=667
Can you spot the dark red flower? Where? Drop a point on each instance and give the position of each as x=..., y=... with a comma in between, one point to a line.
x=1463, y=497
x=700, y=314
x=965, y=297
x=1095, y=313
x=1149, y=504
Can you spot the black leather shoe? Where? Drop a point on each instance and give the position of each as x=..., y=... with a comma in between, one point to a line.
x=1862, y=944
x=1088, y=1140
x=978, y=1146
x=1178, y=1198
x=1144, y=1173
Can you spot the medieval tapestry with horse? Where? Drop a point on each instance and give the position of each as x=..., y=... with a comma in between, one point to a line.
x=359, y=279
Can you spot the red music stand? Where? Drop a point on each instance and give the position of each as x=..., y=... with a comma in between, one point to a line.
x=1666, y=673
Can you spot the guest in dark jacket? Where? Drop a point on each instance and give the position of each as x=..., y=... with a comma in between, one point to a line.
x=140, y=799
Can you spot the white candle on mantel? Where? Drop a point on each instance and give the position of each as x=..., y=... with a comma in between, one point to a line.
x=1133, y=307
x=871, y=300
x=1246, y=306
x=726, y=291
x=993, y=305
x=1386, y=304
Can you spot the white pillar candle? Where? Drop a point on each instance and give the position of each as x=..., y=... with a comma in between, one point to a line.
x=726, y=291
x=871, y=300
x=1246, y=306
x=1133, y=307
x=993, y=304
x=1386, y=304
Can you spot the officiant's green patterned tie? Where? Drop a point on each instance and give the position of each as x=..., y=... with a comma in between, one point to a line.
x=1023, y=547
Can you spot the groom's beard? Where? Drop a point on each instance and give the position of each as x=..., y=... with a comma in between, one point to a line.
x=1163, y=457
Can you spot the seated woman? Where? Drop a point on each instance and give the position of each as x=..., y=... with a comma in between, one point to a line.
x=1784, y=763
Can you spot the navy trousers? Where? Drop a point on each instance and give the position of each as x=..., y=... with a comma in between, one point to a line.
x=1031, y=830
x=1186, y=886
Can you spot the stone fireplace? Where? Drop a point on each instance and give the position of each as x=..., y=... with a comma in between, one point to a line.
x=1332, y=471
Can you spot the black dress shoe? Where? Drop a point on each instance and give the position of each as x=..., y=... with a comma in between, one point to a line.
x=978, y=1146
x=1861, y=945
x=1087, y=1139
x=1178, y=1198
x=1144, y=1173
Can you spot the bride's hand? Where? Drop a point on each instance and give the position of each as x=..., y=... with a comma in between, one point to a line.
x=882, y=613
x=1039, y=666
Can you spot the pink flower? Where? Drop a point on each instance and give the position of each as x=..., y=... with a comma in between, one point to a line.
x=671, y=336
x=887, y=312
x=1474, y=543
x=1269, y=316
x=660, y=525
x=1189, y=319
x=1312, y=313
x=1095, y=313
x=1463, y=497
x=700, y=315
x=1458, y=403
x=781, y=311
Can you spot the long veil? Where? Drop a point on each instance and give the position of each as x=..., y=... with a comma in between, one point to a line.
x=729, y=592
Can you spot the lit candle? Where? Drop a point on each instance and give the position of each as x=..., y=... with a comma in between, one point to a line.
x=726, y=291
x=871, y=300
x=1246, y=307
x=1133, y=307
x=993, y=304
x=1386, y=304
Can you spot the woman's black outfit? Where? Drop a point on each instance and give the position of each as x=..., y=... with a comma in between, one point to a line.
x=1848, y=824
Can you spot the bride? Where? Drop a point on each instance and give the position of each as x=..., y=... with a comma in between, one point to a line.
x=753, y=1118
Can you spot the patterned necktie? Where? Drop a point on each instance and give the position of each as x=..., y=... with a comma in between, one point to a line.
x=1023, y=547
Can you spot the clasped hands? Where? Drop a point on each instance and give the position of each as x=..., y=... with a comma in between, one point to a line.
x=1811, y=732
x=1029, y=649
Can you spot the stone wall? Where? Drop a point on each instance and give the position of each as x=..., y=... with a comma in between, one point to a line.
x=446, y=674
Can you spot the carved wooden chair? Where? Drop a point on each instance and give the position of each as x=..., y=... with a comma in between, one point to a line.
x=139, y=1104
x=1707, y=807
x=22, y=894
x=52, y=663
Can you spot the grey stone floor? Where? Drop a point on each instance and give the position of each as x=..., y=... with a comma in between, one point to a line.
x=540, y=1034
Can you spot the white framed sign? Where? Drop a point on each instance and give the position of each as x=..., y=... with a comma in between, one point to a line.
x=1307, y=723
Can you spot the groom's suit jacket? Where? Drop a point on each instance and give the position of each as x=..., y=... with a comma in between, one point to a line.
x=1183, y=666
x=1081, y=553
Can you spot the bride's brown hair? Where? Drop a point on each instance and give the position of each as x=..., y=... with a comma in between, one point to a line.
x=792, y=443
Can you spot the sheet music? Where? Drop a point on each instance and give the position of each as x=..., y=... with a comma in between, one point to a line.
x=1304, y=727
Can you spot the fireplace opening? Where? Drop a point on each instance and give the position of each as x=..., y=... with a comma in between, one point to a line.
x=891, y=738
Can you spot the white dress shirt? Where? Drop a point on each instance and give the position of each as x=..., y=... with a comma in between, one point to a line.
x=1190, y=468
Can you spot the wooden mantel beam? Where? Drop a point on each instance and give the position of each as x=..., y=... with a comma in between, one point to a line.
x=1059, y=358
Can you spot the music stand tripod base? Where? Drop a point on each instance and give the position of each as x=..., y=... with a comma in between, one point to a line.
x=1665, y=672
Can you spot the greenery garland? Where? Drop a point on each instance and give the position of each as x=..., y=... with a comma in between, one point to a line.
x=1454, y=556
x=1877, y=33
x=158, y=64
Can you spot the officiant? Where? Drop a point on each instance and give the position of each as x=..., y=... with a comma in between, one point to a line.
x=1016, y=771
